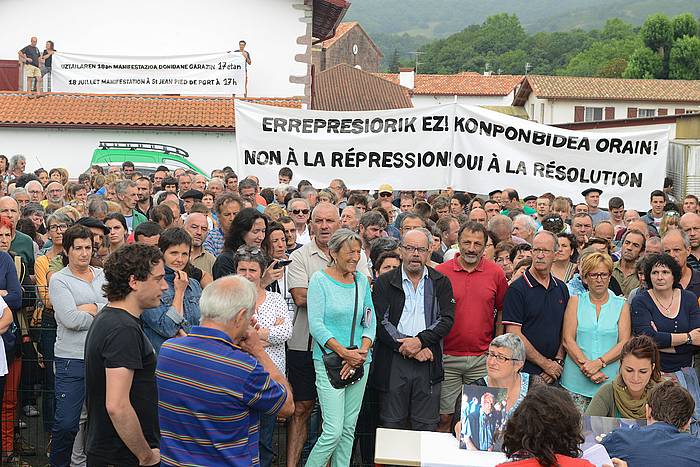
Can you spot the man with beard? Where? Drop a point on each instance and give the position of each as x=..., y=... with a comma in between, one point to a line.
x=144, y=201
x=372, y=226
x=624, y=272
x=479, y=287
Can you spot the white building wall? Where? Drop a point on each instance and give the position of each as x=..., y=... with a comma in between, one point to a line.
x=73, y=148
x=423, y=100
x=167, y=27
x=562, y=111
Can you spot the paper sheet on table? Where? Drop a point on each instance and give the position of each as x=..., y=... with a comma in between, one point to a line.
x=442, y=450
x=597, y=455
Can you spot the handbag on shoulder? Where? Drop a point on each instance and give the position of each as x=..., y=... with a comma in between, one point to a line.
x=334, y=363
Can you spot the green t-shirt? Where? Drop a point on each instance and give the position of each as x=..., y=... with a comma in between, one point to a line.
x=526, y=210
x=23, y=245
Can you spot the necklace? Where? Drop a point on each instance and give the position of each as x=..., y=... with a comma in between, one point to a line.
x=666, y=308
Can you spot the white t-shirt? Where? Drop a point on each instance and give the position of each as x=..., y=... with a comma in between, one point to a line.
x=3, y=359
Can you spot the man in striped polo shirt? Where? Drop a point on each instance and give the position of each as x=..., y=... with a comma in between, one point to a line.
x=214, y=384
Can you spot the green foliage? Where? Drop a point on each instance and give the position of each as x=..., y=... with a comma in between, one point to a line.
x=405, y=44
x=644, y=63
x=657, y=32
x=602, y=58
x=499, y=34
x=684, y=59
x=394, y=62
x=684, y=25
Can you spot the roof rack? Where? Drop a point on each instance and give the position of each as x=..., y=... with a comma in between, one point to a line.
x=132, y=145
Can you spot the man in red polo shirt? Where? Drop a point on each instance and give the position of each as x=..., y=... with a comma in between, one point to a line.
x=479, y=287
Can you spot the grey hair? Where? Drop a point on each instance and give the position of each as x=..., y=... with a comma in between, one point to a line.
x=58, y=217
x=291, y=202
x=512, y=342
x=96, y=205
x=527, y=220
x=500, y=219
x=225, y=297
x=34, y=182
x=422, y=230
x=554, y=238
x=684, y=236
x=216, y=181
x=248, y=253
x=282, y=188
x=19, y=191
x=373, y=218
x=16, y=159
x=324, y=204
x=341, y=237
x=122, y=185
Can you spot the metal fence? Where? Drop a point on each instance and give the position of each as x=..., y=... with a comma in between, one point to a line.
x=28, y=399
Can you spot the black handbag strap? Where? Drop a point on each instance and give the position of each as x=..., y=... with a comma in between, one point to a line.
x=354, y=318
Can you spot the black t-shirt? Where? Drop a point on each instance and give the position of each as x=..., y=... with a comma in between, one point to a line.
x=116, y=340
x=48, y=60
x=32, y=54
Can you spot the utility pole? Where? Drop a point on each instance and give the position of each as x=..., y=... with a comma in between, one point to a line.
x=528, y=67
x=416, y=53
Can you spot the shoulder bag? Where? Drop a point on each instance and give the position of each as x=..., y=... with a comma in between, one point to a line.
x=334, y=363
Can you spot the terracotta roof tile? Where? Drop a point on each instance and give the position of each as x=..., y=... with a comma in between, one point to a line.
x=586, y=88
x=346, y=88
x=339, y=32
x=462, y=84
x=58, y=109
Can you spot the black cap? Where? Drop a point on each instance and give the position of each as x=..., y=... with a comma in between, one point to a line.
x=530, y=198
x=591, y=190
x=94, y=223
x=196, y=194
x=491, y=193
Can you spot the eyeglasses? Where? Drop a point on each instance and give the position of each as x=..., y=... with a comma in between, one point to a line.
x=55, y=227
x=300, y=211
x=385, y=194
x=500, y=358
x=541, y=251
x=598, y=275
x=413, y=249
x=246, y=250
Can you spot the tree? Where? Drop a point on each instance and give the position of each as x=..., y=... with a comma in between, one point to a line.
x=684, y=59
x=395, y=62
x=602, y=58
x=644, y=63
x=657, y=33
x=684, y=25
x=499, y=34
x=615, y=28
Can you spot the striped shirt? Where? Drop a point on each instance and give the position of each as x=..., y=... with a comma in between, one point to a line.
x=211, y=395
x=214, y=243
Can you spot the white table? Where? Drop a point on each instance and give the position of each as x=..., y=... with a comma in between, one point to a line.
x=428, y=449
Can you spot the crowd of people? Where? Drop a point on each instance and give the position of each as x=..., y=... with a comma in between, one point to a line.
x=181, y=319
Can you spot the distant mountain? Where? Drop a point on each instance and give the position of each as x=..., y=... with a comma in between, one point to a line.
x=439, y=18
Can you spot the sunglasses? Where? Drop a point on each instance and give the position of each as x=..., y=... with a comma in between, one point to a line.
x=385, y=194
x=300, y=211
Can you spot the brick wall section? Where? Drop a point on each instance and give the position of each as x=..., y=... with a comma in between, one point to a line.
x=368, y=57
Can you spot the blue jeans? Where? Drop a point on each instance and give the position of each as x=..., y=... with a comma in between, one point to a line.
x=267, y=430
x=70, y=395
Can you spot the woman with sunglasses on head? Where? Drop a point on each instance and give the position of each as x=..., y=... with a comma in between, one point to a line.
x=667, y=313
x=248, y=228
x=504, y=360
x=596, y=326
x=274, y=322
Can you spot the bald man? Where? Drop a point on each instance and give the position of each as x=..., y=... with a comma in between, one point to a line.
x=478, y=215
x=690, y=223
x=22, y=244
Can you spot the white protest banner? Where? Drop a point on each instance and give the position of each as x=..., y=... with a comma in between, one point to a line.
x=215, y=74
x=358, y=147
x=493, y=150
x=468, y=148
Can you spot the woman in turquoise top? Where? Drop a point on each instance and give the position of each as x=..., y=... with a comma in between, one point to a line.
x=596, y=326
x=331, y=307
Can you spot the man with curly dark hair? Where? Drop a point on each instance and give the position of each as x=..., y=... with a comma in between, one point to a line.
x=120, y=364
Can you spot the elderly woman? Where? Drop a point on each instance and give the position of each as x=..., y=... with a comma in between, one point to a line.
x=667, y=313
x=179, y=305
x=544, y=431
x=341, y=320
x=274, y=326
x=504, y=360
x=596, y=326
x=627, y=394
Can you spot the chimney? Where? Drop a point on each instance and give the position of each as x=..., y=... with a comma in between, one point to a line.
x=407, y=77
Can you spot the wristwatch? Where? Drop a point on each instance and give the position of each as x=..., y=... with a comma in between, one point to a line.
x=689, y=340
x=602, y=361
x=559, y=361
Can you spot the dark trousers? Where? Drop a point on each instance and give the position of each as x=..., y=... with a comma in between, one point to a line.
x=411, y=397
x=267, y=430
x=47, y=340
x=70, y=395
